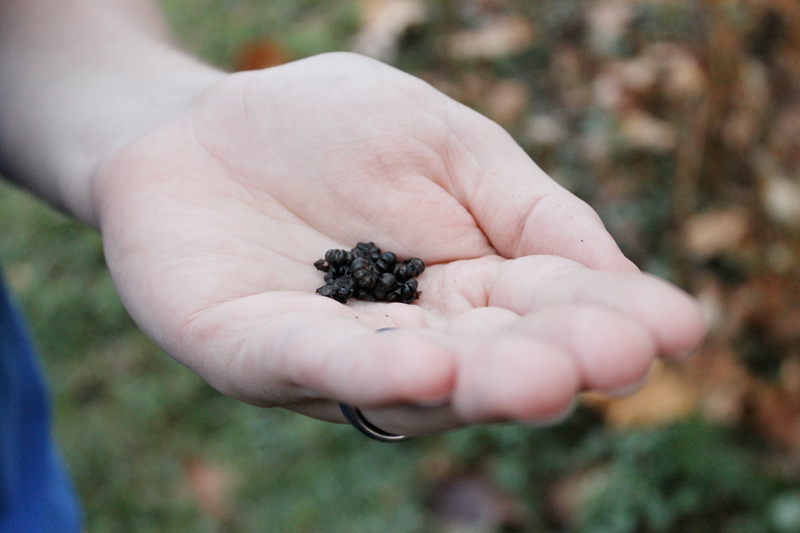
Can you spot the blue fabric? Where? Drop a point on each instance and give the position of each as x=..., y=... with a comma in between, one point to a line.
x=35, y=493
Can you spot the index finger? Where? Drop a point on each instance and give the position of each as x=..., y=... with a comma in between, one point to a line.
x=520, y=209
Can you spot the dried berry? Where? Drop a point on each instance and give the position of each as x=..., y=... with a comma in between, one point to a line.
x=386, y=262
x=326, y=290
x=359, y=263
x=401, y=272
x=365, y=278
x=367, y=274
x=321, y=265
x=416, y=265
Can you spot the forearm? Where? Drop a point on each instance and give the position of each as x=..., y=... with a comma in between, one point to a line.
x=78, y=80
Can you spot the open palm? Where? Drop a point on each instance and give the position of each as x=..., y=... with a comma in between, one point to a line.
x=212, y=224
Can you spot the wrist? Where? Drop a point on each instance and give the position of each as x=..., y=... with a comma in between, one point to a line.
x=78, y=81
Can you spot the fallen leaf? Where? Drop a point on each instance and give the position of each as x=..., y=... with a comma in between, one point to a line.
x=608, y=22
x=211, y=485
x=780, y=194
x=711, y=300
x=665, y=398
x=570, y=71
x=642, y=131
x=506, y=101
x=609, y=91
x=683, y=76
x=258, y=55
x=777, y=414
x=501, y=36
x=385, y=22
x=639, y=74
x=544, y=130
x=751, y=95
x=784, y=140
x=722, y=381
x=781, y=197
x=716, y=231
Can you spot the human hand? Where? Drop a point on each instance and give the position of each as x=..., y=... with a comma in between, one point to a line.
x=212, y=223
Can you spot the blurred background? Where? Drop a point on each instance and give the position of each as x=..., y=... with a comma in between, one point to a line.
x=678, y=121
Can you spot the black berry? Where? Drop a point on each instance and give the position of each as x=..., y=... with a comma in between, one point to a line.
x=367, y=274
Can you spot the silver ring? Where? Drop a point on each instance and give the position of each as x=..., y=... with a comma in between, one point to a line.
x=357, y=420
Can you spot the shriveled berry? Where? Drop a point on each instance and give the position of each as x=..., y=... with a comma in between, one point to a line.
x=365, y=278
x=416, y=265
x=408, y=291
x=367, y=274
x=343, y=289
x=394, y=296
x=362, y=294
x=326, y=290
x=369, y=250
x=401, y=272
x=321, y=265
x=388, y=281
x=380, y=292
x=389, y=258
x=333, y=256
x=359, y=263
x=338, y=257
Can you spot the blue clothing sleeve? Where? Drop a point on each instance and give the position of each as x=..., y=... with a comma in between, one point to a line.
x=35, y=493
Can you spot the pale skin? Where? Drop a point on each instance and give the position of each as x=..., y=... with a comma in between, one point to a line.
x=215, y=202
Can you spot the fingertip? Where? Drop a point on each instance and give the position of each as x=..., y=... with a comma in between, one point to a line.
x=687, y=327
x=514, y=379
x=405, y=366
x=616, y=352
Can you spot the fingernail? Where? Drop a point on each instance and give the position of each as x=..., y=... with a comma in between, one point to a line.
x=627, y=390
x=554, y=420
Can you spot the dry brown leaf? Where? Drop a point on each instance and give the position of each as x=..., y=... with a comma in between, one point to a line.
x=777, y=414
x=751, y=96
x=258, y=55
x=683, y=77
x=722, y=381
x=666, y=397
x=716, y=231
x=710, y=298
x=781, y=197
x=640, y=74
x=570, y=72
x=780, y=194
x=503, y=35
x=759, y=303
x=506, y=101
x=544, y=130
x=642, y=131
x=608, y=22
x=609, y=91
x=211, y=485
x=570, y=494
x=784, y=140
x=385, y=22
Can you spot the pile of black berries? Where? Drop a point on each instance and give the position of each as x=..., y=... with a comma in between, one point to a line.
x=364, y=273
